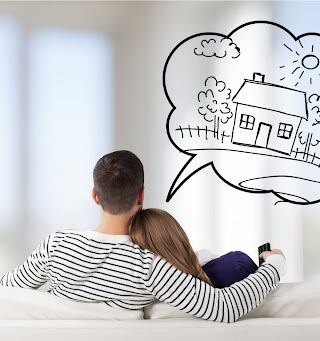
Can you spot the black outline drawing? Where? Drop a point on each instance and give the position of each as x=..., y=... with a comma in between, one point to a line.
x=219, y=87
x=259, y=140
x=304, y=62
x=277, y=106
x=284, y=197
x=205, y=43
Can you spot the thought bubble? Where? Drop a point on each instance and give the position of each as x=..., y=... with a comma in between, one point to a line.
x=249, y=110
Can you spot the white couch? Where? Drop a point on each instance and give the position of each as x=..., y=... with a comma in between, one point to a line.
x=262, y=329
x=290, y=312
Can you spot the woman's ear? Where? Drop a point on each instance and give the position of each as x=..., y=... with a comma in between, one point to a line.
x=141, y=197
x=94, y=196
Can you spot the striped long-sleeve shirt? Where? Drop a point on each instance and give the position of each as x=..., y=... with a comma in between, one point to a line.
x=92, y=267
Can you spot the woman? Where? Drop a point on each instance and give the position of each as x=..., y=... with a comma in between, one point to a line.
x=157, y=231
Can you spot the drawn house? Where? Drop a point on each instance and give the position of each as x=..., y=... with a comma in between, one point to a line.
x=268, y=115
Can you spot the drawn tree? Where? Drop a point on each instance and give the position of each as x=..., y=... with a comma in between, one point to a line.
x=214, y=101
x=310, y=133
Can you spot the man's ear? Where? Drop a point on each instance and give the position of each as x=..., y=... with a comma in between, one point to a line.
x=141, y=196
x=94, y=196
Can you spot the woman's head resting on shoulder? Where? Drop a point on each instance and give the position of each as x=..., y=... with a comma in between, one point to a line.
x=157, y=231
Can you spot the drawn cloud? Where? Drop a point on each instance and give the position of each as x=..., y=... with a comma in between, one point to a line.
x=219, y=48
x=233, y=112
x=214, y=100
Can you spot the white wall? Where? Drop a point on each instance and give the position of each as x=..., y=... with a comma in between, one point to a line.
x=143, y=34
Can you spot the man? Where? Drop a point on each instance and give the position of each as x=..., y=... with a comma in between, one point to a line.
x=103, y=265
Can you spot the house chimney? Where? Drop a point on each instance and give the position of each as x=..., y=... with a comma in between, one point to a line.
x=258, y=77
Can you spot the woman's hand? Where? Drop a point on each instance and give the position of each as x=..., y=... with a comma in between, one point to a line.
x=265, y=254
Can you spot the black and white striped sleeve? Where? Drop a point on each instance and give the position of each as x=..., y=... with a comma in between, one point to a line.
x=32, y=273
x=198, y=298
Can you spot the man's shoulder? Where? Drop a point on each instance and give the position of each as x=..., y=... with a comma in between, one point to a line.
x=57, y=236
x=126, y=246
x=67, y=232
x=136, y=249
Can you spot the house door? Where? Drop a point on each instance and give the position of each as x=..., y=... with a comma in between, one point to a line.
x=263, y=134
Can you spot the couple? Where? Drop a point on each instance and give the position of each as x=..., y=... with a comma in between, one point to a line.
x=136, y=256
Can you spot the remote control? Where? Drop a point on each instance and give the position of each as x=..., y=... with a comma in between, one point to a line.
x=262, y=248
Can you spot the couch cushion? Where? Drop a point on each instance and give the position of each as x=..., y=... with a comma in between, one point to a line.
x=287, y=300
x=291, y=300
x=262, y=329
x=29, y=304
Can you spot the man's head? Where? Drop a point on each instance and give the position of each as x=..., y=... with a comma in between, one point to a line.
x=118, y=181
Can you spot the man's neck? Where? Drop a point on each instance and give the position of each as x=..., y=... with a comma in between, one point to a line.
x=114, y=224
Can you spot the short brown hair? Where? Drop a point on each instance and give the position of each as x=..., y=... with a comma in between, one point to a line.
x=118, y=178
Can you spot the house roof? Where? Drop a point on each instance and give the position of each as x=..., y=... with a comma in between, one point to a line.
x=272, y=97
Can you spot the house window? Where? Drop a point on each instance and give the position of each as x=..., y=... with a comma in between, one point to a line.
x=285, y=130
x=246, y=121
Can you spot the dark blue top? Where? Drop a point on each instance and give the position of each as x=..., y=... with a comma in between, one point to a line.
x=229, y=268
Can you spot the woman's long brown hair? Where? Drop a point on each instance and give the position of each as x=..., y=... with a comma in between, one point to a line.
x=158, y=232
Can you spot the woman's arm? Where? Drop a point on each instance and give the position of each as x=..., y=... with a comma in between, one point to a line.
x=198, y=298
x=32, y=273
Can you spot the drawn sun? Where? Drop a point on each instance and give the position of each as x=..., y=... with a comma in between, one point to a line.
x=305, y=63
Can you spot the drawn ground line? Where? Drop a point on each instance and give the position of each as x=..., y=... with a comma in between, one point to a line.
x=279, y=193
x=291, y=195
x=281, y=176
x=246, y=152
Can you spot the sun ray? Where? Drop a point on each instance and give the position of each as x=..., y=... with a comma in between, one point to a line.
x=302, y=62
x=295, y=70
x=288, y=47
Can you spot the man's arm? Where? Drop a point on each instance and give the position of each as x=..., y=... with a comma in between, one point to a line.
x=32, y=273
x=198, y=298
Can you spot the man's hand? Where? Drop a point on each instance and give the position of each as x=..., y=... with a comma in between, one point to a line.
x=265, y=254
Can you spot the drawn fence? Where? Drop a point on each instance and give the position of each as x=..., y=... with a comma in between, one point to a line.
x=307, y=157
x=205, y=132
